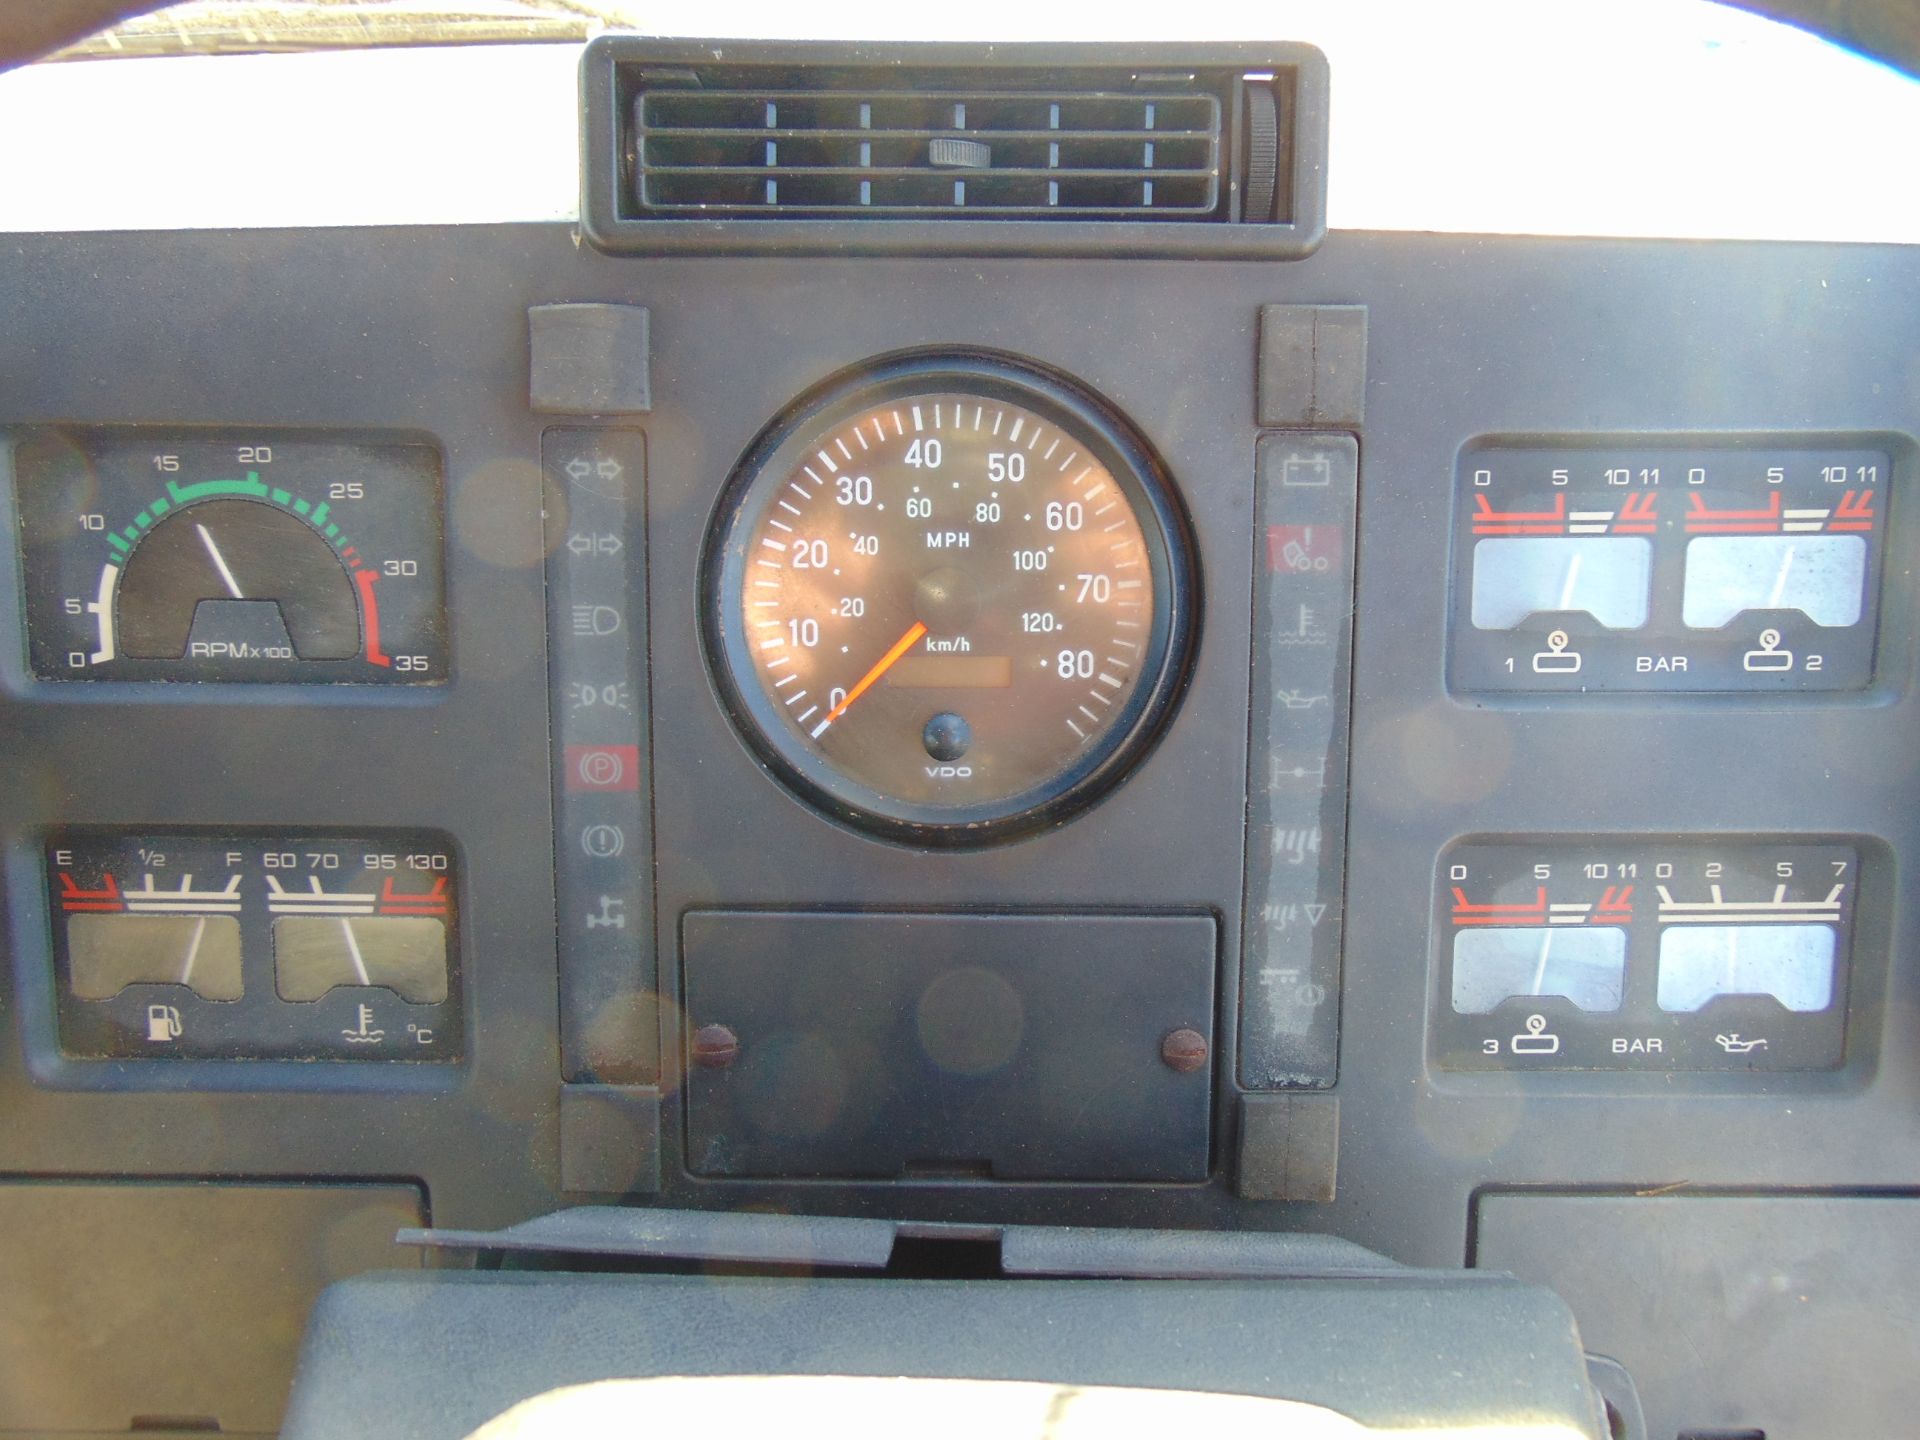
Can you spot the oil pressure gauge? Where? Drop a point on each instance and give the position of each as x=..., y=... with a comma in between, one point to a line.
x=948, y=598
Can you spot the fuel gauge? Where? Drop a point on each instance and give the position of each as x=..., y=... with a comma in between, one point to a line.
x=292, y=946
x=230, y=556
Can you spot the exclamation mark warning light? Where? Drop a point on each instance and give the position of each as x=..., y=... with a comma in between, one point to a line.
x=1306, y=549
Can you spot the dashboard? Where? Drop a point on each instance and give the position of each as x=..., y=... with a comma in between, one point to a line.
x=1171, y=721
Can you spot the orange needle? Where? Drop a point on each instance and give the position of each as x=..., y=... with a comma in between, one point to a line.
x=900, y=647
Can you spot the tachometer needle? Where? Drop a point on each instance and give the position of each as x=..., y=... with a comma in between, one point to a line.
x=900, y=647
x=219, y=562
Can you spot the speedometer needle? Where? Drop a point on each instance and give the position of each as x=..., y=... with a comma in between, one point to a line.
x=900, y=647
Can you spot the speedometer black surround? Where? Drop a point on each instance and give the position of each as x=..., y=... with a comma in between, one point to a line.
x=1170, y=623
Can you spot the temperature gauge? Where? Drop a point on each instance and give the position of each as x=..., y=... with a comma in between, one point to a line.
x=230, y=556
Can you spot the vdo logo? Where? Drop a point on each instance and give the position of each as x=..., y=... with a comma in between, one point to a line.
x=949, y=772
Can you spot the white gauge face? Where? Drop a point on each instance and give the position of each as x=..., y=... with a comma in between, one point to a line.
x=949, y=600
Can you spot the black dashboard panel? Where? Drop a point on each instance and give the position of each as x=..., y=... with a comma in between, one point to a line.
x=424, y=333
x=987, y=1047
x=93, y=1342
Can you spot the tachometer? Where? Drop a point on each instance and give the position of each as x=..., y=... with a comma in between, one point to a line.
x=229, y=555
x=948, y=597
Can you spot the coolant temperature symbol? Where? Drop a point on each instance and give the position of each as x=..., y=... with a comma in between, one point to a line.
x=363, y=1033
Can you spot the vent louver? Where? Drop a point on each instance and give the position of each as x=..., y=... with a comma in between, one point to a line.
x=1041, y=155
x=958, y=149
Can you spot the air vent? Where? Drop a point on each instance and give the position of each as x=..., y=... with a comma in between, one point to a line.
x=1048, y=154
x=953, y=149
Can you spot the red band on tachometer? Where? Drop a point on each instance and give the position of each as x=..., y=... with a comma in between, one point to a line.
x=370, y=614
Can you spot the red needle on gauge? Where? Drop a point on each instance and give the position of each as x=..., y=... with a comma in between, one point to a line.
x=900, y=647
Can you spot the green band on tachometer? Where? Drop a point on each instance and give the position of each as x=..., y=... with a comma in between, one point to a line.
x=187, y=494
x=252, y=487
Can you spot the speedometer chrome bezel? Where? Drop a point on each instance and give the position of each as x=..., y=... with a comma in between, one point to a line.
x=1172, y=629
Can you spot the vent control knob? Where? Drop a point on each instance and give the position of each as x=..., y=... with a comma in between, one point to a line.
x=949, y=153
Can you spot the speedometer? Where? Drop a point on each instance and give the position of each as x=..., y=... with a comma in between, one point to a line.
x=948, y=599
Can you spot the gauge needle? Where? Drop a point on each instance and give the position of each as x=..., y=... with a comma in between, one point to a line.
x=220, y=562
x=1572, y=581
x=900, y=647
x=193, y=950
x=353, y=950
x=1780, y=580
x=1540, y=970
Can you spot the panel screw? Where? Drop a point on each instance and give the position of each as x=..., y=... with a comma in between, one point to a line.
x=1184, y=1050
x=715, y=1046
